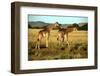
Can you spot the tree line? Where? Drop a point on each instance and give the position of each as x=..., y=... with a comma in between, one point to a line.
x=82, y=27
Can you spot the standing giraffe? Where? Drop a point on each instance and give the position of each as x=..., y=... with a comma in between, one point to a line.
x=63, y=34
x=45, y=33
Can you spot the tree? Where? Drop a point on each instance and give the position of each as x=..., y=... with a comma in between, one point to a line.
x=75, y=25
x=84, y=27
x=29, y=26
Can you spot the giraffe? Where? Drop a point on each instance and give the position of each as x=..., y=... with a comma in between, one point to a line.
x=63, y=34
x=45, y=33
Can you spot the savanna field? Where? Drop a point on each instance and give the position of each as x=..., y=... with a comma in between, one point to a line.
x=78, y=46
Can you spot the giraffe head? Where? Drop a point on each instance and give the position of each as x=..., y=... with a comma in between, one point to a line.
x=56, y=24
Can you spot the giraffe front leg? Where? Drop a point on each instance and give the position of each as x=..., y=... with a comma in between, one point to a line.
x=67, y=40
x=46, y=42
x=38, y=45
x=67, y=43
x=59, y=42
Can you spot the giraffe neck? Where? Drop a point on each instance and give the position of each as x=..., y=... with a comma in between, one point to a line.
x=49, y=27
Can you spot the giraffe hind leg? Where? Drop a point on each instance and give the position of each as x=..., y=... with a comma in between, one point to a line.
x=46, y=42
x=37, y=45
x=47, y=39
x=67, y=40
x=68, y=43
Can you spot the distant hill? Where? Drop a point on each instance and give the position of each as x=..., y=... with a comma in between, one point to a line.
x=40, y=24
x=82, y=24
x=37, y=24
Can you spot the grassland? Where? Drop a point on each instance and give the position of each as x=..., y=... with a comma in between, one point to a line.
x=77, y=48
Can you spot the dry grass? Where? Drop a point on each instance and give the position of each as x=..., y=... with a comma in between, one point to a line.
x=77, y=49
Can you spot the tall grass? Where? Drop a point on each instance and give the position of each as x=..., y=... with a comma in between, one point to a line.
x=77, y=46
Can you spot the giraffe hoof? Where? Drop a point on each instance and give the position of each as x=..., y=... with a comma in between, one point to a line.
x=46, y=46
x=62, y=48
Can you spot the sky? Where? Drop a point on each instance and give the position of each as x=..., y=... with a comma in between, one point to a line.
x=60, y=19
